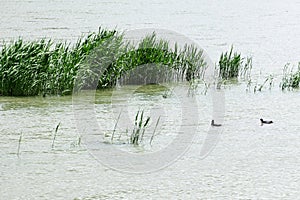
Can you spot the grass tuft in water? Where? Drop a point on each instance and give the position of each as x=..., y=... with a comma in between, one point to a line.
x=291, y=79
x=139, y=128
x=231, y=65
x=269, y=80
x=138, y=132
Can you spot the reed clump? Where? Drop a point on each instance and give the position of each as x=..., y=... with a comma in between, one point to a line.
x=291, y=78
x=233, y=65
x=139, y=129
x=41, y=67
x=136, y=137
x=186, y=64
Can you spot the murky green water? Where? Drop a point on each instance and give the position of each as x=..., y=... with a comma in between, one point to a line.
x=250, y=161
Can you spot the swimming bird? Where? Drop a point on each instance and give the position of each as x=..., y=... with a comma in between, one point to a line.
x=213, y=123
x=265, y=122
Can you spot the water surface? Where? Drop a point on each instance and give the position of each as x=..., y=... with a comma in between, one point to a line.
x=249, y=162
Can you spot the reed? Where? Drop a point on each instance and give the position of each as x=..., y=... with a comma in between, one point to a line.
x=153, y=134
x=19, y=144
x=43, y=67
x=191, y=63
x=245, y=70
x=259, y=87
x=23, y=66
x=138, y=132
x=139, y=128
x=187, y=63
x=291, y=78
x=79, y=140
x=113, y=133
x=76, y=143
x=231, y=65
x=54, y=136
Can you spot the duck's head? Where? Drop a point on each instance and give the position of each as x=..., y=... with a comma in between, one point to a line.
x=261, y=120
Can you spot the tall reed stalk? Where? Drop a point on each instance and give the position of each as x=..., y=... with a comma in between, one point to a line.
x=54, y=136
x=113, y=133
x=153, y=134
x=19, y=144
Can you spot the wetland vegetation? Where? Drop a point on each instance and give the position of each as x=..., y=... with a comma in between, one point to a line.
x=291, y=78
x=44, y=67
x=41, y=67
x=101, y=59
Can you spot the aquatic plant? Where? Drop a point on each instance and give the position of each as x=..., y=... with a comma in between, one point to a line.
x=139, y=128
x=188, y=61
x=23, y=66
x=268, y=80
x=76, y=143
x=153, y=134
x=245, y=70
x=65, y=65
x=231, y=65
x=30, y=68
x=43, y=67
x=191, y=63
x=79, y=140
x=19, y=144
x=99, y=69
x=138, y=131
x=290, y=79
x=158, y=61
x=54, y=136
x=113, y=133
